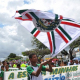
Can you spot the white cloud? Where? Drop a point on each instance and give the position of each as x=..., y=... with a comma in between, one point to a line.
x=15, y=38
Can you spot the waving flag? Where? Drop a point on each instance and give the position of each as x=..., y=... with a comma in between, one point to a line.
x=53, y=30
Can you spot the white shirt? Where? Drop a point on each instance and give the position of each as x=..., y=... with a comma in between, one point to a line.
x=40, y=75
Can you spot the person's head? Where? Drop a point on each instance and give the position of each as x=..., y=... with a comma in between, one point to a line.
x=65, y=63
x=79, y=62
x=52, y=64
x=76, y=61
x=2, y=68
x=33, y=57
x=7, y=63
x=0, y=62
x=7, y=67
x=18, y=66
x=4, y=63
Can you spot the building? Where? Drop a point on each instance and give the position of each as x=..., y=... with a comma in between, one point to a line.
x=77, y=52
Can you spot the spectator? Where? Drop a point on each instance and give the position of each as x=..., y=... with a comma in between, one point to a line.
x=52, y=64
x=65, y=63
x=62, y=63
x=79, y=62
x=75, y=62
x=71, y=62
x=57, y=63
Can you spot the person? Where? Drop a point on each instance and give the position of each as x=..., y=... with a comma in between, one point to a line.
x=79, y=62
x=62, y=63
x=14, y=65
x=18, y=66
x=8, y=64
x=0, y=66
x=7, y=67
x=3, y=68
x=75, y=62
x=71, y=62
x=34, y=70
x=23, y=65
x=2, y=73
x=57, y=63
x=4, y=64
x=52, y=64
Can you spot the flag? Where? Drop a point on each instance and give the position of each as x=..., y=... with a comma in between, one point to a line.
x=53, y=30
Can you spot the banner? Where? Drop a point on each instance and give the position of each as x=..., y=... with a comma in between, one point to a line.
x=15, y=75
x=59, y=73
x=53, y=30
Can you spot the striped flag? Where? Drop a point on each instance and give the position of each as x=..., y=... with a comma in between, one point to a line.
x=53, y=30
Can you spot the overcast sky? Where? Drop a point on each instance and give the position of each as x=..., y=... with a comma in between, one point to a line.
x=14, y=38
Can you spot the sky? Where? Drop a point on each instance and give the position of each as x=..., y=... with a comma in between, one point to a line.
x=14, y=38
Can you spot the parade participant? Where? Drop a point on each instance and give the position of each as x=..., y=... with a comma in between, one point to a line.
x=2, y=73
x=14, y=65
x=18, y=66
x=7, y=67
x=8, y=64
x=34, y=70
x=0, y=66
x=4, y=64
x=23, y=65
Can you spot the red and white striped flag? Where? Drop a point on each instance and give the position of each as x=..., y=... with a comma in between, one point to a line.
x=53, y=30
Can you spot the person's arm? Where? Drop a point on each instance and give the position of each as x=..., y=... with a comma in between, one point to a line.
x=0, y=78
x=50, y=67
x=39, y=69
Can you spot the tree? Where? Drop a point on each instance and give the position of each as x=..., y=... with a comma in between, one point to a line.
x=73, y=45
x=17, y=57
x=39, y=52
x=12, y=55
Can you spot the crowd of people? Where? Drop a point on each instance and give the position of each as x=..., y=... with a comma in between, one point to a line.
x=33, y=68
x=58, y=63
x=4, y=66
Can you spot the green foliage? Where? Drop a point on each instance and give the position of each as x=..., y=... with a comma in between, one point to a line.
x=27, y=59
x=39, y=52
x=17, y=57
x=12, y=55
x=10, y=59
x=75, y=43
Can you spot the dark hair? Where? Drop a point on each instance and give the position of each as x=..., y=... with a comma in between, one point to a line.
x=2, y=66
x=18, y=65
x=52, y=63
x=3, y=62
x=7, y=63
x=30, y=56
